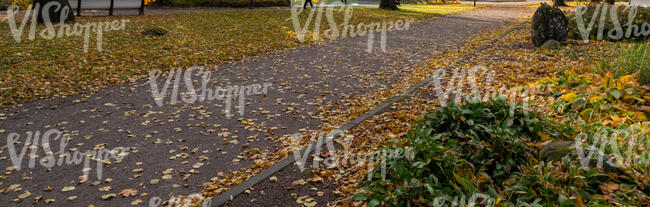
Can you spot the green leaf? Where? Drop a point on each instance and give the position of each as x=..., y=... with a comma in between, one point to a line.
x=615, y=93
x=373, y=202
x=360, y=197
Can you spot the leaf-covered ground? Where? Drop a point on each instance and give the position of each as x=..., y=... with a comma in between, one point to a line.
x=41, y=68
x=585, y=95
x=167, y=150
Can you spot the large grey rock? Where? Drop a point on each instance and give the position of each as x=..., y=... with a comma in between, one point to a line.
x=549, y=23
x=555, y=151
x=551, y=44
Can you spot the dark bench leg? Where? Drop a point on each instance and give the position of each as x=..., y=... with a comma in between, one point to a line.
x=142, y=7
x=78, y=8
x=110, y=10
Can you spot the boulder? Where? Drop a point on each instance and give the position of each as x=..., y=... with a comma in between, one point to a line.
x=551, y=44
x=549, y=23
x=555, y=151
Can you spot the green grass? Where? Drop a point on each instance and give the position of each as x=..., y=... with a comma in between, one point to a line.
x=438, y=9
x=632, y=57
x=44, y=68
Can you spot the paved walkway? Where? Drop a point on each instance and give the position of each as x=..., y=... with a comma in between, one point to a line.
x=173, y=149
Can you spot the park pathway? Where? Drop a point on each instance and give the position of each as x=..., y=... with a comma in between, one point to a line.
x=173, y=149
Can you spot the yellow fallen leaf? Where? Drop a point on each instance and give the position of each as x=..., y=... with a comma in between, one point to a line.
x=595, y=98
x=569, y=97
x=136, y=202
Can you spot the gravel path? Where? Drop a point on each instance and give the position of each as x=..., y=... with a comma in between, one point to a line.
x=173, y=149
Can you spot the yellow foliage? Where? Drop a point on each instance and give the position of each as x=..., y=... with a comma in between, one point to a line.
x=22, y=4
x=570, y=97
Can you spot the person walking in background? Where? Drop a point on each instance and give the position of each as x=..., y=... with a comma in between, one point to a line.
x=305, y=6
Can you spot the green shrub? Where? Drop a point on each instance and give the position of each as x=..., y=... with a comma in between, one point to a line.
x=566, y=183
x=22, y=4
x=4, y=4
x=457, y=150
x=641, y=17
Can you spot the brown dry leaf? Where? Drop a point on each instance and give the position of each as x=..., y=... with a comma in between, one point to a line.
x=298, y=182
x=37, y=198
x=136, y=202
x=128, y=192
x=306, y=201
x=24, y=195
x=315, y=179
x=105, y=188
x=67, y=188
x=609, y=187
x=108, y=196
x=48, y=201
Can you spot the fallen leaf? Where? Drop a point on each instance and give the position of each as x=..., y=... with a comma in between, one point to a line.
x=108, y=196
x=68, y=188
x=128, y=192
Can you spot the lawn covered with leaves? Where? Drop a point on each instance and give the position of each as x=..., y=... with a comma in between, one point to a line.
x=40, y=68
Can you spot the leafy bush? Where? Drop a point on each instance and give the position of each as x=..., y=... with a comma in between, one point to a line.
x=22, y=4
x=641, y=17
x=565, y=183
x=458, y=150
x=4, y=4
x=612, y=114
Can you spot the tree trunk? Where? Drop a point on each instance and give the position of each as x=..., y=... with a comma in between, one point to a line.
x=54, y=11
x=388, y=4
x=557, y=3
